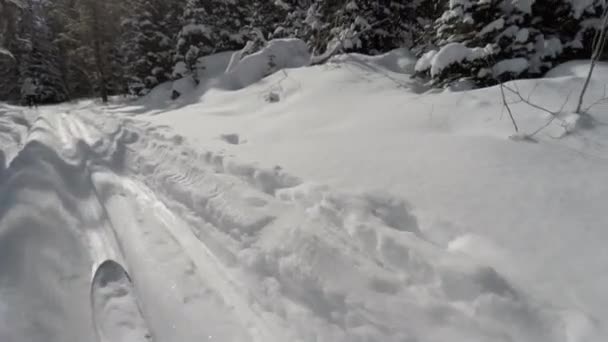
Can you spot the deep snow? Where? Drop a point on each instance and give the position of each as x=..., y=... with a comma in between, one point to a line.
x=360, y=206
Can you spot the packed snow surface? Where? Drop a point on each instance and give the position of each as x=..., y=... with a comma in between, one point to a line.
x=360, y=206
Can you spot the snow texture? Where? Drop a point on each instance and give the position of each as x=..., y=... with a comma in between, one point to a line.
x=396, y=214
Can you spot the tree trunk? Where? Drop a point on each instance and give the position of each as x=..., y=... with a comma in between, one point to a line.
x=99, y=58
x=103, y=90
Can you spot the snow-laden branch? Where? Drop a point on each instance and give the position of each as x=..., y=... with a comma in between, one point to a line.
x=5, y=52
x=339, y=45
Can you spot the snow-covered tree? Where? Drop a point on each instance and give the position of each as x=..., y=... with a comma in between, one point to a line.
x=33, y=55
x=194, y=40
x=208, y=26
x=369, y=26
x=295, y=19
x=489, y=40
x=39, y=59
x=9, y=14
x=148, y=42
x=266, y=17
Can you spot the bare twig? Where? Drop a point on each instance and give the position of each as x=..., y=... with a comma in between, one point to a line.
x=553, y=117
x=506, y=104
x=554, y=114
x=532, y=104
x=601, y=100
x=561, y=109
x=538, y=130
x=599, y=42
x=531, y=91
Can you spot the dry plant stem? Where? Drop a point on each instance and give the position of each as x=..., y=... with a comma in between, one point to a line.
x=599, y=42
x=506, y=104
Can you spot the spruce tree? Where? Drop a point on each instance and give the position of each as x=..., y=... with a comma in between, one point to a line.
x=209, y=26
x=518, y=39
x=9, y=14
x=148, y=43
x=368, y=26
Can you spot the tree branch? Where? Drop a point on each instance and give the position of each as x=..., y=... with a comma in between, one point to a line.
x=506, y=104
x=599, y=41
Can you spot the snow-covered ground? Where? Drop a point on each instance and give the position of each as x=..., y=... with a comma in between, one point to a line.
x=342, y=202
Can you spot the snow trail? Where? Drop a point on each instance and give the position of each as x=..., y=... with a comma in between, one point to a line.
x=216, y=249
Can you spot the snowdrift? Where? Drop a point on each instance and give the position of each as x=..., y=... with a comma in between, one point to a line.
x=578, y=69
x=277, y=55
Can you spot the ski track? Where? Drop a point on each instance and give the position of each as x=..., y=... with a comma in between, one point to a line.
x=222, y=250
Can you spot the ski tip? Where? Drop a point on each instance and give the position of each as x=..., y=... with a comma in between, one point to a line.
x=110, y=271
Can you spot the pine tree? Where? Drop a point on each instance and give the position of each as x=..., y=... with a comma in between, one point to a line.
x=266, y=17
x=9, y=13
x=368, y=26
x=148, y=43
x=99, y=31
x=209, y=26
x=84, y=35
x=518, y=39
x=63, y=21
x=32, y=52
x=194, y=40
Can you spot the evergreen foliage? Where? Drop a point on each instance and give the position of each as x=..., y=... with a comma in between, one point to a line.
x=78, y=48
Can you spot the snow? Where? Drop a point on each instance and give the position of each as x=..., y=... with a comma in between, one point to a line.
x=399, y=61
x=577, y=69
x=448, y=55
x=580, y=6
x=191, y=29
x=5, y=52
x=278, y=54
x=524, y=5
x=513, y=66
x=497, y=24
x=359, y=207
x=522, y=35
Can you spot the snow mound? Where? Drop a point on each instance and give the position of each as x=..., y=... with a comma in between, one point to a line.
x=214, y=65
x=578, y=69
x=184, y=85
x=514, y=66
x=278, y=54
x=231, y=70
